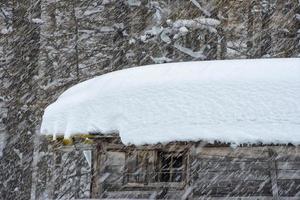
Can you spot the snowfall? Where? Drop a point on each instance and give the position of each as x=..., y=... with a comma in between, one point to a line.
x=233, y=101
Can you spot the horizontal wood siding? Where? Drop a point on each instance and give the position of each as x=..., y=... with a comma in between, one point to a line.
x=289, y=178
x=213, y=172
x=246, y=171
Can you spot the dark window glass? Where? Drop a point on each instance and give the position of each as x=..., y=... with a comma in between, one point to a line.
x=167, y=168
x=171, y=167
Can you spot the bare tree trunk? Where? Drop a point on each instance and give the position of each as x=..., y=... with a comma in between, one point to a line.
x=297, y=29
x=75, y=21
x=223, y=13
x=250, y=27
x=265, y=40
x=211, y=40
x=18, y=152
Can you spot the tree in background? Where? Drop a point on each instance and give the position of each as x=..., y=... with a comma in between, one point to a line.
x=20, y=95
x=47, y=46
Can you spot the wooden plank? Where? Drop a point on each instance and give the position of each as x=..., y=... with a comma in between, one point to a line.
x=289, y=187
x=286, y=153
x=233, y=188
x=235, y=198
x=128, y=194
x=239, y=152
x=244, y=198
x=289, y=174
x=217, y=198
x=236, y=165
x=209, y=176
x=288, y=165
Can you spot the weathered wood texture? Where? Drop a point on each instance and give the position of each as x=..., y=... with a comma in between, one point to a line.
x=211, y=172
x=246, y=171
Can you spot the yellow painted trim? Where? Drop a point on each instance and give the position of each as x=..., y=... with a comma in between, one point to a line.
x=80, y=138
x=67, y=141
x=61, y=137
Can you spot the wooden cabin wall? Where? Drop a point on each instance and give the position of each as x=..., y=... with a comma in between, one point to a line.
x=264, y=171
x=223, y=171
x=246, y=171
x=287, y=165
x=63, y=161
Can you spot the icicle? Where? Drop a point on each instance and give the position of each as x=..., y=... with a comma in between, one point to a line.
x=88, y=156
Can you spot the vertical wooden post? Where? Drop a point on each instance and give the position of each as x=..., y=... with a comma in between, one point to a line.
x=95, y=182
x=50, y=185
x=273, y=174
x=55, y=165
x=190, y=157
x=77, y=177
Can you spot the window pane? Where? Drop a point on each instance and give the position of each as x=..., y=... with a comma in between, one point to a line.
x=165, y=176
x=177, y=165
x=177, y=161
x=165, y=160
x=177, y=176
x=137, y=166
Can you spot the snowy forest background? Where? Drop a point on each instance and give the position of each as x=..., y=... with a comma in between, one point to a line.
x=46, y=46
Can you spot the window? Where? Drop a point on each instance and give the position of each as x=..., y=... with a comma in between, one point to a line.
x=137, y=166
x=171, y=167
x=152, y=166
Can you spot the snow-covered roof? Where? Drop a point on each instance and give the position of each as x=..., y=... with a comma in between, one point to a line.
x=237, y=101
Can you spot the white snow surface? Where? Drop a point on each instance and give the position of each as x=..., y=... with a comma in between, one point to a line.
x=236, y=101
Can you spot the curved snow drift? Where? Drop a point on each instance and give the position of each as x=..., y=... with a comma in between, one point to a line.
x=238, y=101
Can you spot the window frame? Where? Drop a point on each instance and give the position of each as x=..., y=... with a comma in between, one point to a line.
x=171, y=168
x=155, y=168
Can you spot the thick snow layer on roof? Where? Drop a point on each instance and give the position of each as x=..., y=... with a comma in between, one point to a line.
x=237, y=101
